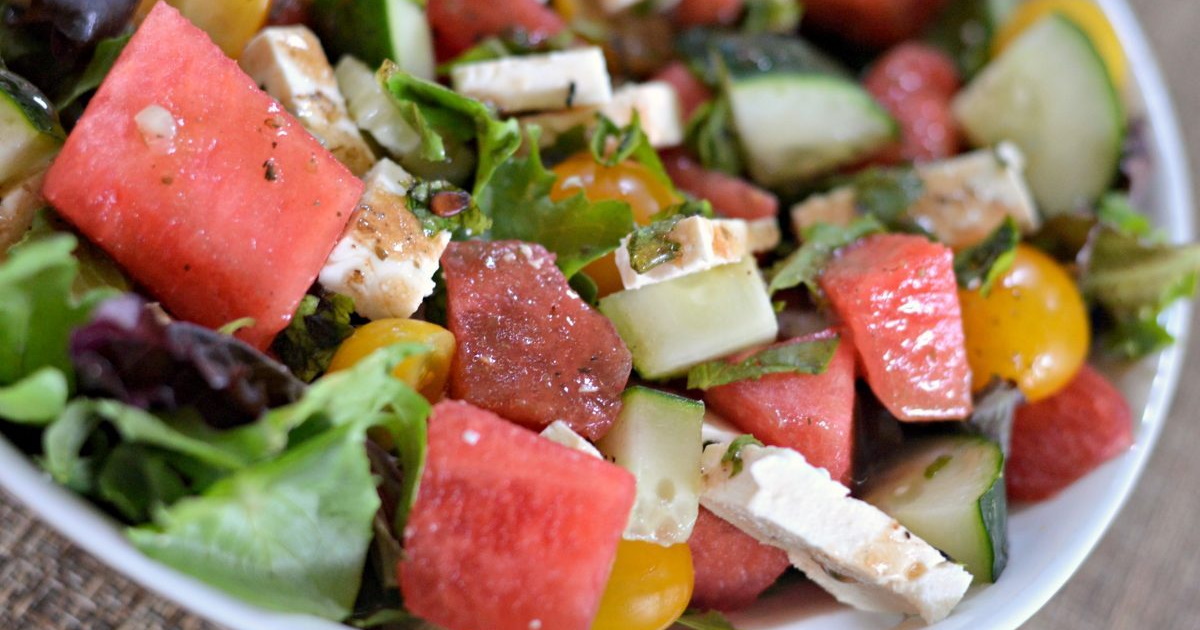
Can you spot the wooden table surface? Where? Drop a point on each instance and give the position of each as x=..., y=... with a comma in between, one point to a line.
x=1144, y=574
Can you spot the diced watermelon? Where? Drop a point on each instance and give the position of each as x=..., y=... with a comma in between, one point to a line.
x=528, y=348
x=707, y=12
x=731, y=196
x=691, y=91
x=1059, y=439
x=510, y=531
x=897, y=295
x=916, y=83
x=458, y=25
x=811, y=413
x=232, y=216
x=732, y=569
x=873, y=23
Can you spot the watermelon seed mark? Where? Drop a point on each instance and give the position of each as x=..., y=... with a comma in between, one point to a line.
x=271, y=173
x=168, y=180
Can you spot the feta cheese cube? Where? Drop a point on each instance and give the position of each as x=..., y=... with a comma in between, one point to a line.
x=291, y=66
x=703, y=244
x=862, y=556
x=656, y=103
x=560, y=432
x=963, y=200
x=555, y=80
x=384, y=261
x=762, y=235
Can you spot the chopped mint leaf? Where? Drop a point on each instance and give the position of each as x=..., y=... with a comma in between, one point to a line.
x=801, y=357
x=711, y=620
x=236, y=325
x=711, y=137
x=612, y=144
x=772, y=16
x=434, y=111
x=575, y=229
x=319, y=326
x=427, y=200
x=820, y=242
x=887, y=194
x=687, y=208
x=650, y=246
x=733, y=454
x=981, y=265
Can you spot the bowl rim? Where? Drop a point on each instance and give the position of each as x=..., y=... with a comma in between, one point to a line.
x=84, y=525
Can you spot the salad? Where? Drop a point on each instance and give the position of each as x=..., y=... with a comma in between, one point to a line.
x=588, y=314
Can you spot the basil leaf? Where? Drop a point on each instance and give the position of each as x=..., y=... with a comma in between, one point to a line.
x=981, y=265
x=820, y=242
x=575, y=229
x=801, y=357
x=102, y=61
x=320, y=325
x=733, y=454
x=435, y=111
x=710, y=135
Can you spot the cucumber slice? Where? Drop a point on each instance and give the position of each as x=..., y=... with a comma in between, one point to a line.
x=794, y=126
x=949, y=490
x=1050, y=93
x=372, y=108
x=657, y=438
x=374, y=30
x=671, y=326
x=29, y=131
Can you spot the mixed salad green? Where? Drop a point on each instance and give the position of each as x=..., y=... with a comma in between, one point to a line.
x=916, y=325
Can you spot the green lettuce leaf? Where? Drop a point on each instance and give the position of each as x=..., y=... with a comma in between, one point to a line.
x=36, y=399
x=612, y=144
x=802, y=357
x=291, y=533
x=319, y=326
x=435, y=111
x=575, y=229
x=978, y=267
x=820, y=242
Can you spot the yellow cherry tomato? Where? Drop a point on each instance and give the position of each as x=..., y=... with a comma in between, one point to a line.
x=1032, y=328
x=649, y=587
x=230, y=23
x=1085, y=14
x=426, y=373
x=626, y=181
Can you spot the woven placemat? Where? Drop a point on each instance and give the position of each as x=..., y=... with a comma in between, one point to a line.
x=46, y=582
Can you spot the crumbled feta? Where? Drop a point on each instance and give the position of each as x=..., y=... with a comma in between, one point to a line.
x=291, y=66
x=703, y=244
x=655, y=102
x=862, y=556
x=560, y=433
x=555, y=80
x=384, y=261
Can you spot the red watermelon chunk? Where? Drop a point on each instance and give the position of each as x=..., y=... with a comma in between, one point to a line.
x=811, y=413
x=1059, y=439
x=510, y=531
x=732, y=569
x=691, y=91
x=227, y=212
x=528, y=348
x=730, y=196
x=460, y=24
x=897, y=295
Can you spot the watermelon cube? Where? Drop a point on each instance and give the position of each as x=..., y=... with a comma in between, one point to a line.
x=811, y=413
x=898, y=297
x=528, y=348
x=199, y=184
x=732, y=568
x=510, y=531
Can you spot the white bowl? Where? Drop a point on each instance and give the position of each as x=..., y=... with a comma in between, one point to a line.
x=1048, y=541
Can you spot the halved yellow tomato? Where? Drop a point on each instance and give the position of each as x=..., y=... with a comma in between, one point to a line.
x=649, y=587
x=427, y=373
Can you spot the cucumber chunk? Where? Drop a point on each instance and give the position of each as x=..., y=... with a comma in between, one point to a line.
x=795, y=126
x=949, y=490
x=657, y=438
x=1050, y=94
x=374, y=30
x=671, y=326
x=29, y=131
x=372, y=108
